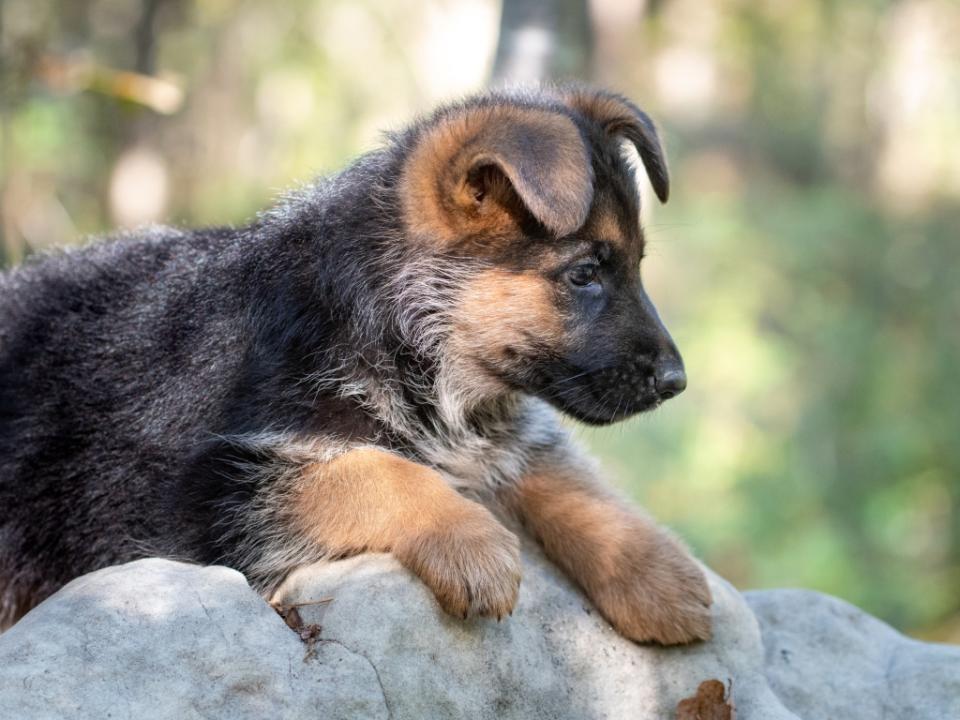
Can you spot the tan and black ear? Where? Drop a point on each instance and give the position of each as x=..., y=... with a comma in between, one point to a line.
x=470, y=171
x=618, y=116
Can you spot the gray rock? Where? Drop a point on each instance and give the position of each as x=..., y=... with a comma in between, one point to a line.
x=827, y=659
x=158, y=639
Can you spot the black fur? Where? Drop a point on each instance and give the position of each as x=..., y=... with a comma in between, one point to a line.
x=119, y=360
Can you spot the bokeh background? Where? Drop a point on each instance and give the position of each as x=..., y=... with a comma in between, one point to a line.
x=807, y=263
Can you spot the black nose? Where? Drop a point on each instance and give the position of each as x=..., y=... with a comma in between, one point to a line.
x=670, y=380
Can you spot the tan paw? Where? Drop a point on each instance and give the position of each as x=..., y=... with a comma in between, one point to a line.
x=656, y=592
x=472, y=564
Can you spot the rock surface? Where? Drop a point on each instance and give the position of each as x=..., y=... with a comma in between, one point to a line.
x=159, y=639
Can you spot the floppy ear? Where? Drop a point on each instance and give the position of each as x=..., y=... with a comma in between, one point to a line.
x=472, y=170
x=618, y=116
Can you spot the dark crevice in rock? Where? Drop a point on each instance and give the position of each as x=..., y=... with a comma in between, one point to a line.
x=386, y=702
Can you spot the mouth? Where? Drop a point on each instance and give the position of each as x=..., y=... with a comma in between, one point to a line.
x=604, y=396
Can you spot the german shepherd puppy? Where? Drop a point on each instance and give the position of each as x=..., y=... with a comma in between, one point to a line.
x=371, y=366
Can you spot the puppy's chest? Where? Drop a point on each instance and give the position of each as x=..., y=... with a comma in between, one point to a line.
x=486, y=460
x=477, y=464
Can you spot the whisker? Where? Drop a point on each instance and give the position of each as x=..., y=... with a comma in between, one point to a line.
x=567, y=379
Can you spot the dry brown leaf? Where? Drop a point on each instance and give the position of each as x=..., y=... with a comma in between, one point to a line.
x=712, y=702
x=309, y=634
x=290, y=614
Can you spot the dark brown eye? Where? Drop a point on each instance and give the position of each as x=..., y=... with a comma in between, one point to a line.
x=583, y=275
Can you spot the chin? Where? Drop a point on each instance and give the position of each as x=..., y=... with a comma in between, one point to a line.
x=597, y=408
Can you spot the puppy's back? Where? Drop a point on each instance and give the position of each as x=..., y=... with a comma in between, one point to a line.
x=79, y=332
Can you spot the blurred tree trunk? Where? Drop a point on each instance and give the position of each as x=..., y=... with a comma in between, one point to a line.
x=543, y=40
x=146, y=38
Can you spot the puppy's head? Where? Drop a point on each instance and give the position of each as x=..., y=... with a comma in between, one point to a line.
x=536, y=196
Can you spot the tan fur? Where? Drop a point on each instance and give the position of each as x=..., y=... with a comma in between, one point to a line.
x=500, y=313
x=640, y=578
x=539, y=152
x=604, y=225
x=368, y=499
x=618, y=117
x=608, y=224
x=608, y=111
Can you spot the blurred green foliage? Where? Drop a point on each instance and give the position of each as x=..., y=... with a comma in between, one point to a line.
x=806, y=264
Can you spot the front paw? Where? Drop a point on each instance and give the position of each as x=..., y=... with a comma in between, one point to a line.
x=656, y=592
x=472, y=564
